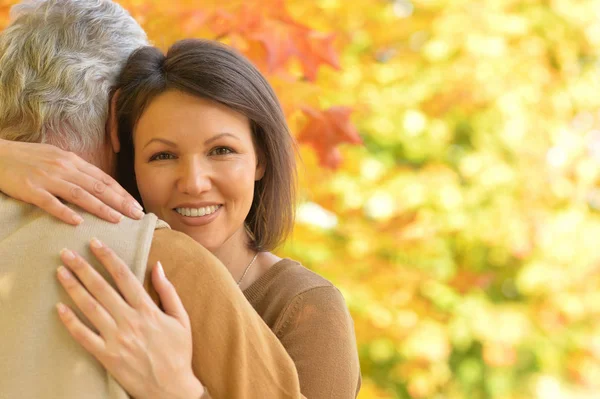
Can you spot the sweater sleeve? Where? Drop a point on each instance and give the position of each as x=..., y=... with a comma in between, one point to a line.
x=235, y=354
x=317, y=331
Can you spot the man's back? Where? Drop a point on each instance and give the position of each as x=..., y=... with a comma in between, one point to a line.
x=38, y=357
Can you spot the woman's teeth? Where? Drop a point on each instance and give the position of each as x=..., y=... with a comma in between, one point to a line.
x=194, y=212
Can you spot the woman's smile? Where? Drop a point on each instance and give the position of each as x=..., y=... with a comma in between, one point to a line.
x=198, y=216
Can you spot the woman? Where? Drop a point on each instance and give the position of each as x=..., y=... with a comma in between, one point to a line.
x=204, y=145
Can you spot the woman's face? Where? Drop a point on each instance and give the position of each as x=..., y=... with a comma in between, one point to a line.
x=195, y=166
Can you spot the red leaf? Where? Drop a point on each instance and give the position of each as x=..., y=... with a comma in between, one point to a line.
x=277, y=42
x=325, y=130
x=315, y=49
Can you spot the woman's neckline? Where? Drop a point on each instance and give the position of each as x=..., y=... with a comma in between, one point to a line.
x=257, y=285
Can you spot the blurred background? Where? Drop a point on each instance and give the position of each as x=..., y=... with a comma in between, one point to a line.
x=449, y=178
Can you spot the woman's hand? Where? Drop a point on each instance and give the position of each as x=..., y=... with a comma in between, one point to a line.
x=148, y=351
x=39, y=173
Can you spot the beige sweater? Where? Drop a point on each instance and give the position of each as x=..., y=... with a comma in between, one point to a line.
x=38, y=357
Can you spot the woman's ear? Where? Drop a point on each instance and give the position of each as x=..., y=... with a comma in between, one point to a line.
x=113, y=125
x=261, y=164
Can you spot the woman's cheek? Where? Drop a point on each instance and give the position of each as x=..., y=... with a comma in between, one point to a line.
x=149, y=186
x=239, y=176
x=241, y=168
x=237, y=169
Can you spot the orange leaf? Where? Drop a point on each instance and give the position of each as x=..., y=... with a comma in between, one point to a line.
x=325, y=130
x=315, y=49
x=283, y=38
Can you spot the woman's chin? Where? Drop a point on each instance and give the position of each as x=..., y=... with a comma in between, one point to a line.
x=207, y=231
x=208, y=241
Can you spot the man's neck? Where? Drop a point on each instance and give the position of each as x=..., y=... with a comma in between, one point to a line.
x=103, y=158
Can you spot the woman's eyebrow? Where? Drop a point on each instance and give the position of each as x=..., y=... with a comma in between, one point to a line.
x=213, y=138
x=165, y=141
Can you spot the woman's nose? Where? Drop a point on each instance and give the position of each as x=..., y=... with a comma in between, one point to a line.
x=194, y=178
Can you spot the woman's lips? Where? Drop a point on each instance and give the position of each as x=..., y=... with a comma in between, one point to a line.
x=198, y=220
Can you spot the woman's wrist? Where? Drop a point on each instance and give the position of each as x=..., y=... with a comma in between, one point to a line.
x=191, y=388
x=195, y=390
x=187, y=388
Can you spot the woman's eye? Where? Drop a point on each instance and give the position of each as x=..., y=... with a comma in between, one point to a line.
x=161, y=156
x=222, y=151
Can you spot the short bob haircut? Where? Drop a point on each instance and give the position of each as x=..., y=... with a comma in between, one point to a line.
x=213, y=71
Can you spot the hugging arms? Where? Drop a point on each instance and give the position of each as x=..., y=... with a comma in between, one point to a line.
x=217, y=165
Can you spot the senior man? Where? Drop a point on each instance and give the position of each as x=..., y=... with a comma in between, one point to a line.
x=59, y=61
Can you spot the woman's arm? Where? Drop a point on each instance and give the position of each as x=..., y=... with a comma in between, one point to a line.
x=317, y=331
x=235, y=355
x=39, y=174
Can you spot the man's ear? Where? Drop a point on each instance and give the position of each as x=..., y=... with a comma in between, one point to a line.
x=113, y=126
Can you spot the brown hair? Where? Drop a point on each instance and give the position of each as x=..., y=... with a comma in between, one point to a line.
x=216, y=72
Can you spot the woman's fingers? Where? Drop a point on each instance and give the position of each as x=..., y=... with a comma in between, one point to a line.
x=104, y=187
x=128, y=284
x=94, y=284
x=169, y=299
x=74, y=194
x=49, y=203
x=93, y=181
x=88, y=305
x=39, y=173
x=98, y=174
x=80, y=332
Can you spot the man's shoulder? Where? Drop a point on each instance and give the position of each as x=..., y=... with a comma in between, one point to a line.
x=16, y=214
x=28, y=226
x=29, y=235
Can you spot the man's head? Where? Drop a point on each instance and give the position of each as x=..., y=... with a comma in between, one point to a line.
x=59, y=60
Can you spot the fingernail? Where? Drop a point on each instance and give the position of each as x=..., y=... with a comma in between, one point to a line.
x=77, y=219
x=95, y=243
x=67, y=254
x=161, y=271
x=62, y=309
x=116, y=216
x=137, y=205
x=63, y=272
x=137, y=213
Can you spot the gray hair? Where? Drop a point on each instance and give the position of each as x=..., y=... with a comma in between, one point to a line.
x=59, y=61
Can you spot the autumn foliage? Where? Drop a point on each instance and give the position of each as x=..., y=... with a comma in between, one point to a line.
x=450, y=167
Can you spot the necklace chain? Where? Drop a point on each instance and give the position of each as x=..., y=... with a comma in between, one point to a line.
x=246, y=270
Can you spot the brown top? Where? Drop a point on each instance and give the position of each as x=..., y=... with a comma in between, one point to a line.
x=310, y=318
x=235, y=355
